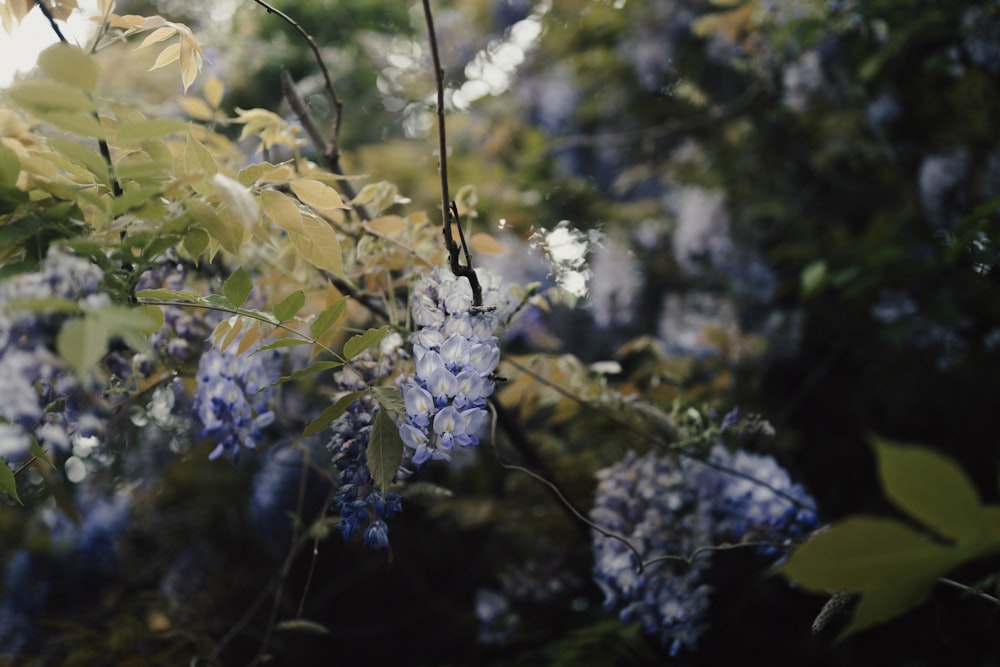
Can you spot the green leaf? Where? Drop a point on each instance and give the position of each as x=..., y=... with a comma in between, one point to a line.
x=82, y=155
x=237, y=287
x=390, y=398
x=83, y=123
x=286, y=309
x=385, y=450
x=813, y=277
x=82, y=342
x=932, y=489
x=168, y=295
x=218, y=301
x=39, y=453
x=302, y=625
x=317, y=367
x=223, y=228
x=70, y=65
x=255, y=314
x=332, y=412
x=10, y=167
x=328, y=317
x=8, y=484
x=283, y=342
x=860, y=553
x=196, y=241
x=425, y=492
x=355, y=345
x=132, y=325
x=134, y=198
x=886, y=601
x=197, y=158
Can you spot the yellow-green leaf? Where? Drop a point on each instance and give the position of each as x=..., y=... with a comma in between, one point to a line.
x=8, y=484
x=83, y=341
x=885, y=601
x=332, y=412
x=239, y=200
x=10, y=167
x=318, y=244
x=148, y=128
x=330, y=316
x=223, y=228
x=168, y=55
x=387, y=224
x=70, y=65
x=237, y=287
x=318, y=195
x=932, y=489
x=863, y=552
x=282, y=211
x=197, y=108
x=43, y=94
x=80, y=154
x=213, y=90
x=197, y=158
x=285, y=309
x=355, y=345
x=158, y=35
x=486, y=244
x=82, y=123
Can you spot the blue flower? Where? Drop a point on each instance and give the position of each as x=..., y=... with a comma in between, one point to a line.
x=230, y=400
x=454, y=352
x=668, y=508
x=364, y=508
x=32, y=378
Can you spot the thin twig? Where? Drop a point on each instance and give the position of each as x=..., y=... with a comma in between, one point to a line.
x=449, y=212
x=523, y=445
x=330, y=155
x=970, y=590
x=656, y=439
x=25, y=465
x=334, y=149
x=52, y=21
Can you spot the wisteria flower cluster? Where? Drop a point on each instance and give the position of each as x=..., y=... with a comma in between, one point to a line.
x=32, y=377
x=363, y=507
x=232, y=399
x=455, y=352
x=184, y=329
x=668, y=508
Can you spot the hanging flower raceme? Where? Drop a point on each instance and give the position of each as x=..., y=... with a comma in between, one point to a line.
x=666, y=508
x=455, y=353
x=231, y=399
x=364, y=508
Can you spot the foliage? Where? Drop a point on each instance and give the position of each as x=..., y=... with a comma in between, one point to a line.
x=786, y=205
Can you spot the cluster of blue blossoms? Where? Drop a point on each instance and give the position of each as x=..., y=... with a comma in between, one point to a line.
x=455, y=353
x=184, y=330
x=231, y=400
x=32, y=377
x=363, y=507
x=668, y=508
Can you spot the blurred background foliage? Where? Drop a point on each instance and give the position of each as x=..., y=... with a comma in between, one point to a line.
x=793, y=208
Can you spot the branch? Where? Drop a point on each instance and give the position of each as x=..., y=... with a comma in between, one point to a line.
x=52, y=21
x=334, y=151
x=449, y=212
x=329, y=152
